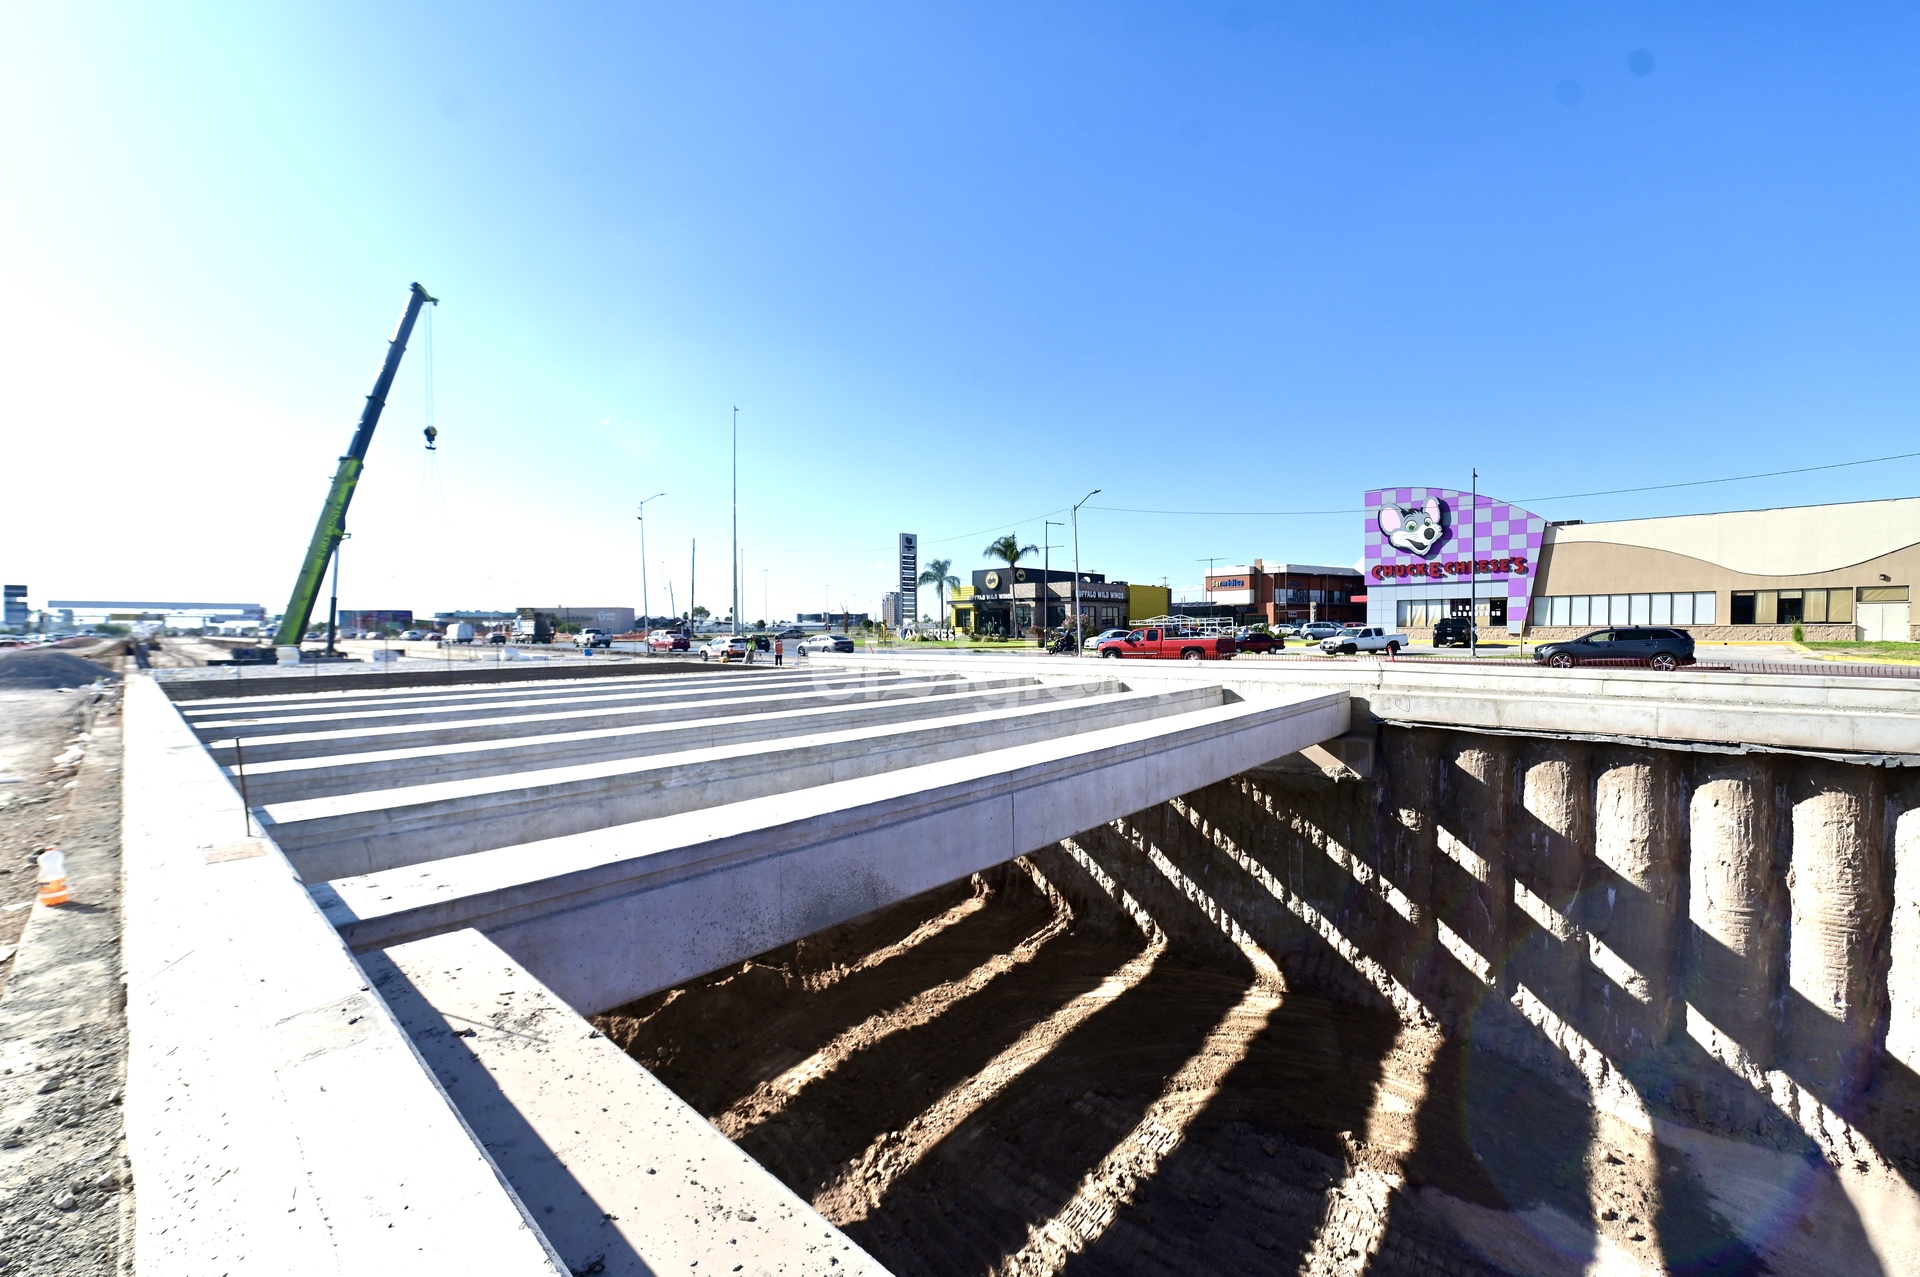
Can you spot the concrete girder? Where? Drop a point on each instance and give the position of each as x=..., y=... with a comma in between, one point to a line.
x=672, y=898
x=388, y=828
x=272, y=747
x=354, y=771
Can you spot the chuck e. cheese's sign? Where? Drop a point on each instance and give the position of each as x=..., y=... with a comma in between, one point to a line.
x=1435, y=542
x=1508, y=565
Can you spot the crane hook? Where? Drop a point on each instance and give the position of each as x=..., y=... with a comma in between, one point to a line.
x=432, y=433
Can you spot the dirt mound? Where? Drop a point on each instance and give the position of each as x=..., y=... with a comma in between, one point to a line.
x=42, y=668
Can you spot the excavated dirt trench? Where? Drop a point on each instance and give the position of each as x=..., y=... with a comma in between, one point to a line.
x=979, y=1080
x=1510, y=1006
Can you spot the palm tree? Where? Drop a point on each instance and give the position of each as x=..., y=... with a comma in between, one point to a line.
x=937, y=576
x=1009, y=551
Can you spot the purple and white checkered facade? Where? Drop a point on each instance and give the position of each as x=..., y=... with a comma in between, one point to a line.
x=1505, y=544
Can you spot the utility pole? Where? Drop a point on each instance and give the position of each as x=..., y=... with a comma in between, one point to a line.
x=693, y=575
x=1473, y=565
x=736, y=518
x=1206, y=587
x=646, y=624
x=1046, y=572
x=1079, y=648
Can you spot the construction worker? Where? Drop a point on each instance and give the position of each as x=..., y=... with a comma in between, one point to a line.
x=779, y=650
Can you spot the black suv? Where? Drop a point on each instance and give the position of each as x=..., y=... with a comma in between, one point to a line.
x=1662, y=649
x=1453, y=631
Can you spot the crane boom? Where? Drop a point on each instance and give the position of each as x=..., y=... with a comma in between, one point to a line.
x=333, y=513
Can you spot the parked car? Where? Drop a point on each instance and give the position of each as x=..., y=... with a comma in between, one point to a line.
x=668, y=641
x=1363, y=638
x=839, y=643
x=1104, y=636
x=792, y=631
x=413, y=636
x=1454, y=631
x=1154, y=643
x=728, y=647
x=1320, y=631
x=1258, y=641
x=1662, y=649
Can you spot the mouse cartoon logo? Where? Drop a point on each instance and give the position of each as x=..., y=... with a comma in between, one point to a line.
x=1413, y=528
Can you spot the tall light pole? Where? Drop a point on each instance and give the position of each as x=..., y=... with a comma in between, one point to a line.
x=1046, y=572
x=736, y=519
x=646, y=625
x=1079, y=644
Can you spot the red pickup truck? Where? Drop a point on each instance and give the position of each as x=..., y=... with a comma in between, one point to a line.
x=1154, y=643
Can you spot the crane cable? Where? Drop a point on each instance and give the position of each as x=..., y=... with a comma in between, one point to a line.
x=433, y=497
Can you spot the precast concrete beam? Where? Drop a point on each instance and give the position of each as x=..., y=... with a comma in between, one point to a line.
x=249, y=724
x=351, y=772
x=412, y=695
x=609, y=916
x=620, y=1172
x=384, y=829
x=273, y=747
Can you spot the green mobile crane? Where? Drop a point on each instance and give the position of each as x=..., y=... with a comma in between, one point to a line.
x=333, y=515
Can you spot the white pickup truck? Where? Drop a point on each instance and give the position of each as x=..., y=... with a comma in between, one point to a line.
x=1363, y=638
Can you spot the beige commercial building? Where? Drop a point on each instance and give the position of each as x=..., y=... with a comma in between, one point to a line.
x=1837, y=571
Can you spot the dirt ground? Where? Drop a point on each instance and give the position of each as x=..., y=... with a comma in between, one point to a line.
x=969, y=1083
x=65, y=1203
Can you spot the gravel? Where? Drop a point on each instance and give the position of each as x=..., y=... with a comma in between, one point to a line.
x=46, y=668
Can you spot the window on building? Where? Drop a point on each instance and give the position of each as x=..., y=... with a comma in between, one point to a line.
x=1791, y=607
x=1883, y=594
x=1694, y=607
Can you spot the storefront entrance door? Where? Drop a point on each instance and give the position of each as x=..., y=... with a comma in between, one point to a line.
x=1882, y=622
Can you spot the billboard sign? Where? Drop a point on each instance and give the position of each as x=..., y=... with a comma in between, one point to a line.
x=909, y=578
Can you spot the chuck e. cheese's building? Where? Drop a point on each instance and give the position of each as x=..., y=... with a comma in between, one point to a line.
x=1837, y=571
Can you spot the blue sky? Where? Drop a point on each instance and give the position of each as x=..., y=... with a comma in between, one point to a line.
x=957, y=265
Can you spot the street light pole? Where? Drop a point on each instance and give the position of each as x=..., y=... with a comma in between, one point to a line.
x=646, y=606
x=1079, y=644
x=736, y=519
x=1046, y=572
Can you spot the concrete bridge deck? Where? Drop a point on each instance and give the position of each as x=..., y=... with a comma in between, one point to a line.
x=581, y=843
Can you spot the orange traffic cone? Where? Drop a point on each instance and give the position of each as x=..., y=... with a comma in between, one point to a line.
x=53, y=878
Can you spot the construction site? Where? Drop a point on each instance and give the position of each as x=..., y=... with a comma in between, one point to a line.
x=961, y=965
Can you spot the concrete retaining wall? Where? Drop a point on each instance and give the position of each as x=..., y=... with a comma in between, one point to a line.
x=1729, y=942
